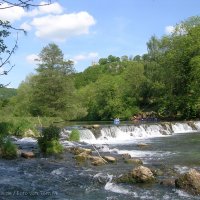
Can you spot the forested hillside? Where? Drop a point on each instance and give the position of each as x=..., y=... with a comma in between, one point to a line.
x=165, y=80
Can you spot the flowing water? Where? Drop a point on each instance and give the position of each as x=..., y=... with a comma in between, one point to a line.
x=171, y=147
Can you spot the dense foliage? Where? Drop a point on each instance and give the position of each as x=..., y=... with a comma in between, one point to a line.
x=7, y=149
x=74, y=135
x=49, y=140
x=164, y=80
x=50, y=92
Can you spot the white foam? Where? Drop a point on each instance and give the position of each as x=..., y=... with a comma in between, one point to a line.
x=181, y=193
x=115, y=188
x=181, y=169
x=58, y=171
x=197, y=125
x=149, y=154
x=67, y=143
x=127, y=134
x=86, y=135
x=182, y=128
x=27, y=140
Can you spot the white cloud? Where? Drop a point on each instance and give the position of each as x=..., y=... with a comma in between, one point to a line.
x=88, y=56
x=26, y=26
x=49, y=22
x=12, y=14
x=62, y=27
x=169, y=29
x=16, y=13
x=32, y=58
x=54, y=8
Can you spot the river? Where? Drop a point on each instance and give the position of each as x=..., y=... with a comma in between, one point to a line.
x=173, y=148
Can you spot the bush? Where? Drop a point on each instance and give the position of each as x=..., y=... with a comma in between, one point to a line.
x=49, y=140
x=5, y=129
x=20, y=126
x=54, y=147
x=51, y=133
x=8, y=150
x=74, y=135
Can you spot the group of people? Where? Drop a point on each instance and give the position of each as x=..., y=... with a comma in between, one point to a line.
x=116, y=121
x=146, y=117
x=142, y=117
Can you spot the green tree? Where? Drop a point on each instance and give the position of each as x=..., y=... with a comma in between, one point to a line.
x=53, y=91
x=170, y=70
x=22, y=101
x=137, y=58
x=153, y=48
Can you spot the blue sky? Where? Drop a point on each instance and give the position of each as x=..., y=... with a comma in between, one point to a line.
x=87, y=30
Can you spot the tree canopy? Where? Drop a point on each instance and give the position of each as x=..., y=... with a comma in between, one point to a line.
x=165, y=80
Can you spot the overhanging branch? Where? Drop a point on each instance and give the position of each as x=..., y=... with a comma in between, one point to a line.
x=22, y=4
x=9, y=55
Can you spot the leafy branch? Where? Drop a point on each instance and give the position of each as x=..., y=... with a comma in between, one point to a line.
x=23, y=4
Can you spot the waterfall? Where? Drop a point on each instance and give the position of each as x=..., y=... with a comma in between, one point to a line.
x=86, y=134
x=128, y=133
x=181, y=128
x=197, y=125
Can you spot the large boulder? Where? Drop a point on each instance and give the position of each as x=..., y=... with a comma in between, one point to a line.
x=82, y=157
x=135, y=161
x=190, y=182
x=140, y=174
x=97, y=161
x=110, y=159
x=143, y=174
x=27, y=154
x=78, y=150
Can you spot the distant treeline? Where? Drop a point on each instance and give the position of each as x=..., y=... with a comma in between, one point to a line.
x=165, y=81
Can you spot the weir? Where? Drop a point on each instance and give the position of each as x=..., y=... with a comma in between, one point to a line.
x=111, y=133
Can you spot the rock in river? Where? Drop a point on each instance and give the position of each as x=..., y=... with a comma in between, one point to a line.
x=190, y=182
x=27, y=154
x=78, y=150
x=143, y=174
x=97, y=161
x=110, y=159
x=133, y=161
x=140, y=174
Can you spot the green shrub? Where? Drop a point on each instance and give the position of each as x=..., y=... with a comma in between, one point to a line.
x=8, y=150
x=74, y=135
x=20, y=126
x=51, y=133
x=54, y=147
x=5, y=129
x=49, y=140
